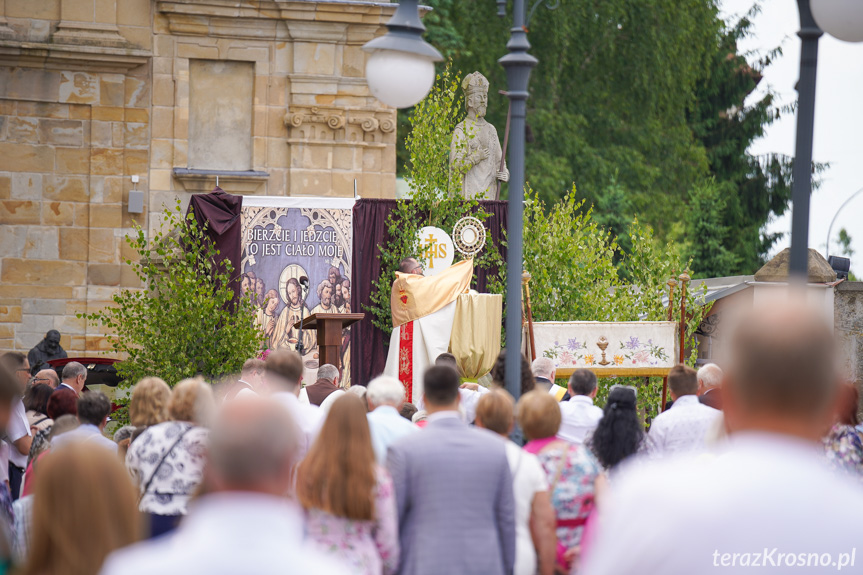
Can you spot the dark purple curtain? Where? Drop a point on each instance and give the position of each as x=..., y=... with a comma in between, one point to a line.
x=368, y=343
x=221, y=211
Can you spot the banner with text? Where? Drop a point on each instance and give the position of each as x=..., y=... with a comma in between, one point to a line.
x=285, y=242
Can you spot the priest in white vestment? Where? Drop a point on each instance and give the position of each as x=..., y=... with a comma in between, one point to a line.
x=423, y=309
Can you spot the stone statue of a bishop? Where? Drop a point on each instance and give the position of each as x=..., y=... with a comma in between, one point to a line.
x=475, y=151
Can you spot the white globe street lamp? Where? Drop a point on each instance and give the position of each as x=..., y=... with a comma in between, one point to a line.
x=400, y=68
x=842, y=19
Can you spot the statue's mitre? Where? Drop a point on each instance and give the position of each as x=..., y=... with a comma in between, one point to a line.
x=474, y=82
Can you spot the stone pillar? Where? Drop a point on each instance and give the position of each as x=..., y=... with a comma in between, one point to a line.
x=90, y=23
x=5, y=30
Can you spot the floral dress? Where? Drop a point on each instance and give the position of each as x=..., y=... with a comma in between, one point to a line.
x=571, y=470
x=368, y=547
x=170, y=457
x=844, y=450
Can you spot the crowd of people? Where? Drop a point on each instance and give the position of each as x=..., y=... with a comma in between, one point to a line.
x=269, y=475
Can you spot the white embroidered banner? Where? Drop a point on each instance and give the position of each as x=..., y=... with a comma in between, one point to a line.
x=637, y=348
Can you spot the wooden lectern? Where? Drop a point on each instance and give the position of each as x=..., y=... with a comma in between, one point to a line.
x=329, y=327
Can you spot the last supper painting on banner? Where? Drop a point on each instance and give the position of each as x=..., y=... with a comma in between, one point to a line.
x=296, y=261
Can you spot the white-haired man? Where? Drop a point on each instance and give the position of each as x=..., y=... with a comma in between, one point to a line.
x=545, y=372
x=385, y=396
x=709, y=379
x=244, y=523
x=326, y=390
x=74, y=377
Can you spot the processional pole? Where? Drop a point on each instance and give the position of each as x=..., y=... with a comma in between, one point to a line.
x=672, y=282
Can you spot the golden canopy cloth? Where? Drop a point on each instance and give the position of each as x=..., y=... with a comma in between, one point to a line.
x=475, y=339
x=416, y=296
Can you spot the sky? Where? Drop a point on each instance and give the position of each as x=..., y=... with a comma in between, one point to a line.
x=838, y=137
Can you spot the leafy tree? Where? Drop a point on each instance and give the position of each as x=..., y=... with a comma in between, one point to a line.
x=844, y=241
x=637, y=103
x=613, y=211
x=706, y=234
x=753, y=188
x=609, y=96
x=579, y=272
x=182, y=323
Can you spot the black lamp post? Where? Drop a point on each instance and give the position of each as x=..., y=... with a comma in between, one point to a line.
x=801, y=187
x=518, y=64
x=842, y=19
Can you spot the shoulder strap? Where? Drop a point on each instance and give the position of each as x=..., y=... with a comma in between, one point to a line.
x=161, y=461
x=35, y=423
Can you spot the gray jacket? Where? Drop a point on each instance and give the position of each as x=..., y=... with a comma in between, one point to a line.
x=455, y=501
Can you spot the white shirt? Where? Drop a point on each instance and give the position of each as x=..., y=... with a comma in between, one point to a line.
x=307, y=417
x=19, y=426
x=528, y=479
x=228, y=534
x=468, y=400
x=579, y=417
x=4, y=461
x=330, y=400
x=764, y=492
x=386, y=426
x=63, y=385
x=248, y=391
x=85, y=433
x=683, y=427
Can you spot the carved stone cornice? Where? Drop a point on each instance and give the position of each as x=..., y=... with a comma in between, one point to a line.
x=268, y=19
x=71, y=57
x=377, y=123
x=203, y=181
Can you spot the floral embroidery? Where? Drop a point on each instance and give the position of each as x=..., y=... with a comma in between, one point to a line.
x=573, y=344
x=404, y=361
x=642, y=353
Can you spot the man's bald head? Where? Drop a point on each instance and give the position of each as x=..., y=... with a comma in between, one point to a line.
x=48, y=377
x=781, y=368
x=410, y=266
x=253, y=445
